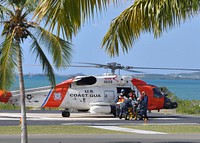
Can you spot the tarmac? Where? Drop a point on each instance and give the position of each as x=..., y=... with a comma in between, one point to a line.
x=107, y=122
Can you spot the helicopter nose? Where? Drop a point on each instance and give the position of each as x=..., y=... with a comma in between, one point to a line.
x=168, y=104
x=4, y=96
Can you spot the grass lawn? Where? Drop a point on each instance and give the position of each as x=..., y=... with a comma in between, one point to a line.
x=177, y=129
x=169, y=128
x=55, y=130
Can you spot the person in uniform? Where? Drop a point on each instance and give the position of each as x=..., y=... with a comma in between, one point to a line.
x=120, y=100
x=144, y=103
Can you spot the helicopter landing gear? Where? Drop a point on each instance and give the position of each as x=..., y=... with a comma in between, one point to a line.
x=113, y=110
x=65, y=113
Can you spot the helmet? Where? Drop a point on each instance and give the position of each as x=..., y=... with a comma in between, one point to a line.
x=131, y=95
x=122, y=91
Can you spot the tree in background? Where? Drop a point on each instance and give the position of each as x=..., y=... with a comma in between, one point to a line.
x=64, y=17
x=146, y=16
x=14, y=15
x=143, y=16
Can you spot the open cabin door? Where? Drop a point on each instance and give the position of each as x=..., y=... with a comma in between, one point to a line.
x=127, y=90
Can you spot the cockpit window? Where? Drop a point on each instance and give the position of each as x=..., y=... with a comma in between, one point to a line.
x=157, y=93
x=86, y=81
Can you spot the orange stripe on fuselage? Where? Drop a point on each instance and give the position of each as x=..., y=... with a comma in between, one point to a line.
x=58, y=94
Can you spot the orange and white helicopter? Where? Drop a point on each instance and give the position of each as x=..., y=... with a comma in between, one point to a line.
x=96, y=94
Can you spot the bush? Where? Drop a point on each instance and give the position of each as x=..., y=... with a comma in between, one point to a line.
x=184, y=106
x=4, y=106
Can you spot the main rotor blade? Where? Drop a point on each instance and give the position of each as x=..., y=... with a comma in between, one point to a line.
x=115, y=66
x=158, y=68
x=134, y=71
x=97, y=65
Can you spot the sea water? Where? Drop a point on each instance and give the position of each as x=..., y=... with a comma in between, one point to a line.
x=184, y=89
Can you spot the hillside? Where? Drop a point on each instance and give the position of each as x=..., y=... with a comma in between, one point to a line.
x=194, y=75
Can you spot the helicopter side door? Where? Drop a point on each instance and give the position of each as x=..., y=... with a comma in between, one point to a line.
x=109, y=95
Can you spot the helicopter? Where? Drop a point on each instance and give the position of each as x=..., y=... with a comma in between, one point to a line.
x=96, y=94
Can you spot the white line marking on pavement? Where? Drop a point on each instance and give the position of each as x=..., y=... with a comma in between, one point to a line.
x=115, y=128
x=165, y=119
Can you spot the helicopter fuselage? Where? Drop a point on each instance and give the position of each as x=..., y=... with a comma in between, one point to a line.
x=98, y=94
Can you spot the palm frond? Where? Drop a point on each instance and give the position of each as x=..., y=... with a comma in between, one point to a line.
x=18, y=3
x=30, y=5
x=8, y=62
x=67, y=16
x=46, y=66
x=4, y=9
x=60, y=49
x=1, y=11
x=147, y=16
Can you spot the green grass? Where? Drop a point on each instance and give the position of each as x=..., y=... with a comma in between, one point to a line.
x=55, y=130
x=4, y=106
x=175, y=129
x=190, y=107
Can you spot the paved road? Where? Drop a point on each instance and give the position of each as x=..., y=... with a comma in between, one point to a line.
x=108, y=138
x=11, y=118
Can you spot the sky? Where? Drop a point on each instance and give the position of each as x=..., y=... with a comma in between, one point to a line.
x=177, y=48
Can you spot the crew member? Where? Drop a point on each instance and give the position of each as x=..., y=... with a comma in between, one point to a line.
x=120, y=100
x=132, y=96
x=145, y=103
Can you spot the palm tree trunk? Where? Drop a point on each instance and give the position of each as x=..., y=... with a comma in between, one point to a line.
x=24, y=136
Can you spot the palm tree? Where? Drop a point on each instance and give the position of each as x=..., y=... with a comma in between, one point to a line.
x=147, y=16
x=67, y=16
x=14, y=15
x=143, y=16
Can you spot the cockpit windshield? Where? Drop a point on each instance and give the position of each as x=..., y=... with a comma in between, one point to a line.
x=157, y=93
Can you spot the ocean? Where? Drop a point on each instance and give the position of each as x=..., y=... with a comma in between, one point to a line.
x=182, y=88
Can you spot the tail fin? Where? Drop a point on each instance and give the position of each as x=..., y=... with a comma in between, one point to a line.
x=4, y=96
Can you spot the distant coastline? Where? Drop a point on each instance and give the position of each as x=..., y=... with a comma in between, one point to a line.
x=193, y=76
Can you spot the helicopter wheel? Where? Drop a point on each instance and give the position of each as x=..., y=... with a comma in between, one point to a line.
x=175, y=105
x=113, y=111
x=65, y=113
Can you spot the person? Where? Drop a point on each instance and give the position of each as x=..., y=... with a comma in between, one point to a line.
x=132, y=95
x=144, y=103
x=134, y=103
x=124, y=108
x=120, y=100
x=123, y=93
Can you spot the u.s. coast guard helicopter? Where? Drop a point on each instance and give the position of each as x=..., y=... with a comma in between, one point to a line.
x=96, y=94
